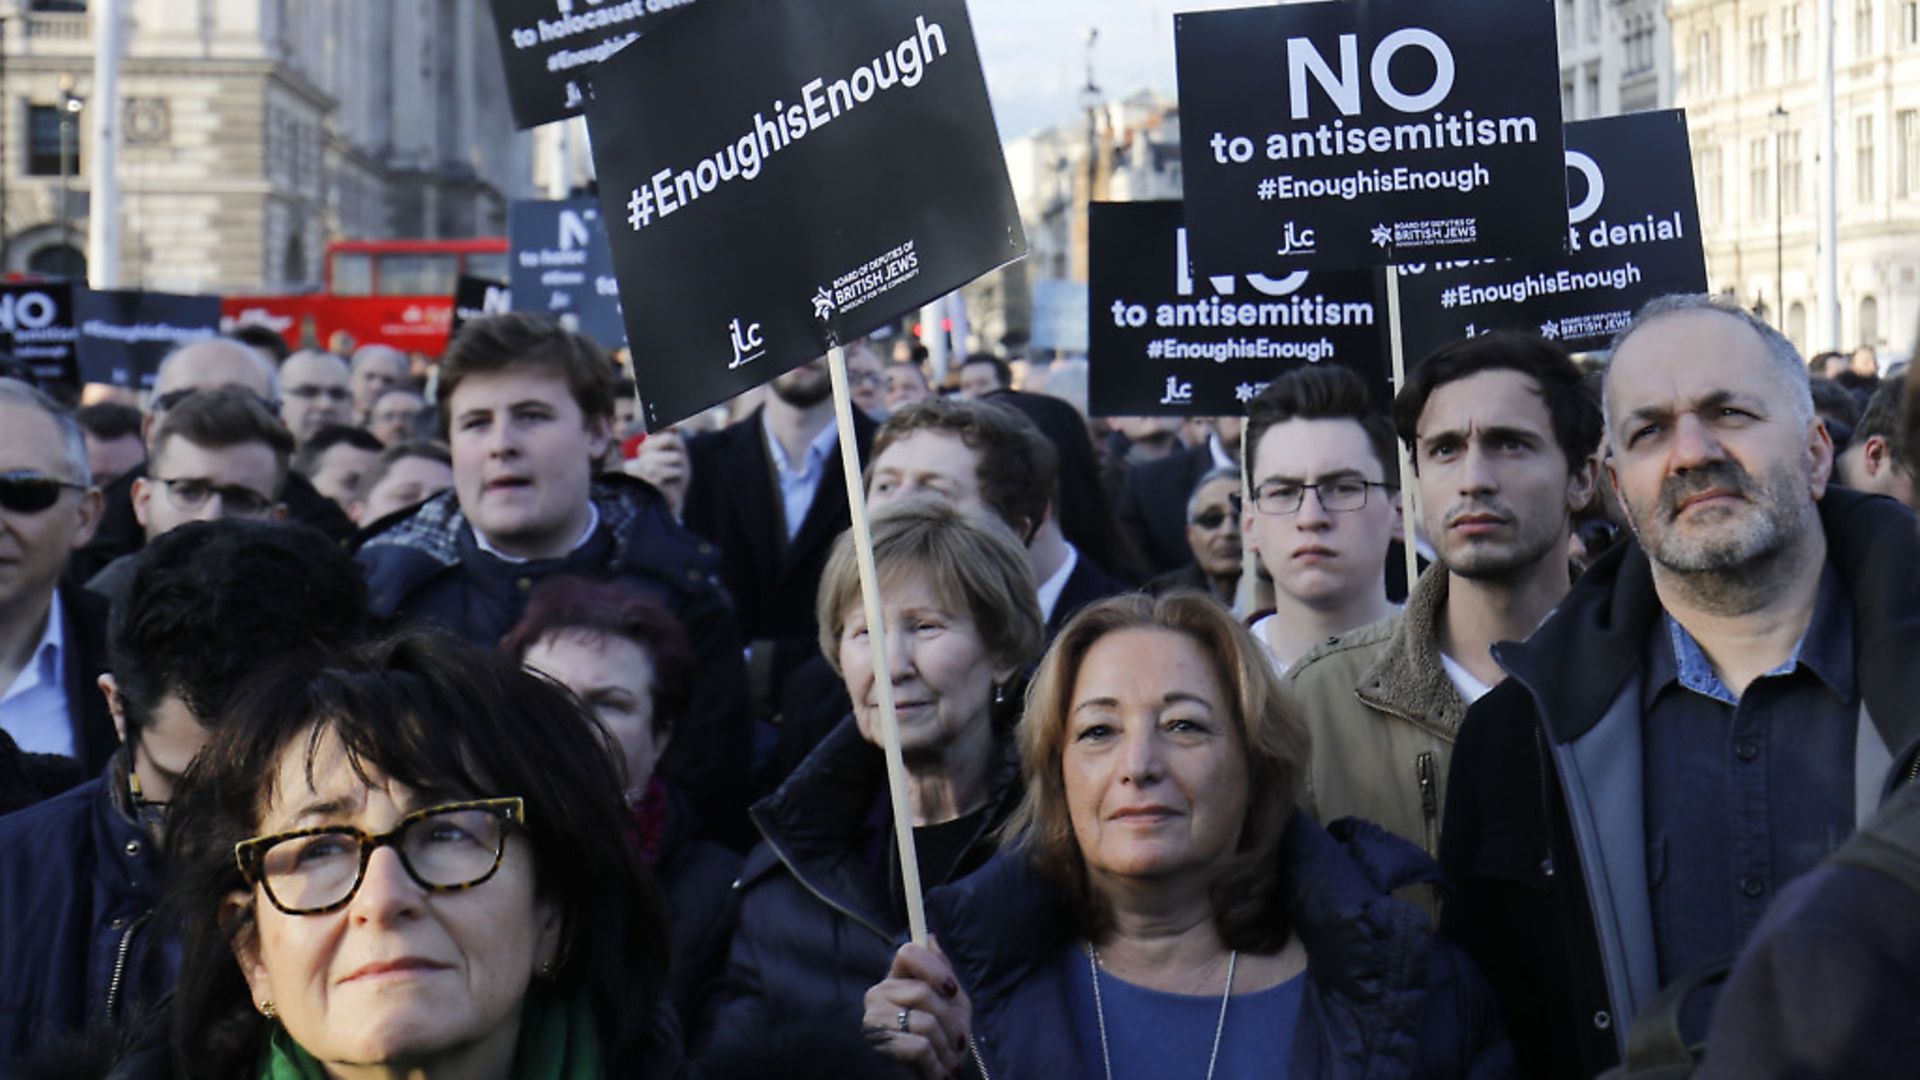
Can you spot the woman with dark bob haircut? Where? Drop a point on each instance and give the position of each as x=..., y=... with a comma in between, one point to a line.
x=1164, y=907
x=417, y=853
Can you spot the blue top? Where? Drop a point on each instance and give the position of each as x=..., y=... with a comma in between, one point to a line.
x=1154, y=1035
x=1743, y=794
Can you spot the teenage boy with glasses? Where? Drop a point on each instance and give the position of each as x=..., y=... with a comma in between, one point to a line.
x=1324, y=508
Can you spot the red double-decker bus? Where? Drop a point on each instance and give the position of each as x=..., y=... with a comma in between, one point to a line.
x=389, y=292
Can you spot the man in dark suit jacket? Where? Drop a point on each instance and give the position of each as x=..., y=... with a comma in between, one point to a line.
x=769, y=491
x=52, y=639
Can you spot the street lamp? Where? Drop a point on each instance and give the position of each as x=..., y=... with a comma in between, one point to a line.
x=71, y=104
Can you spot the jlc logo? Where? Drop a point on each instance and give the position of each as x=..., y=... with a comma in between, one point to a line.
x=1178, y=393
x=748, y=344
x=1295, y=240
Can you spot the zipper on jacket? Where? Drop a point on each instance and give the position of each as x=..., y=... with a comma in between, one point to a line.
x=820, y=896
x=1429, y=793
x=120, y=963
x=1546, y=801
x=973, y=1047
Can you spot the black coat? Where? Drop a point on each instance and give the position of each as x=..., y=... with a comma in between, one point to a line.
x=26, y=778
x=1522, y=908
x=697, y=877
x=1087, y=584
x=1384, y=997
x=820, y=916
x=734, y=501
x=83, y=661
x=1153, y=505
x=426, y=567
x=79, y=880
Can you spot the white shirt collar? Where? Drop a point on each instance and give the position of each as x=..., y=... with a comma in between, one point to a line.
x=817, y=450
x=593, y=522
x=1051, y=589
x=1221, y=459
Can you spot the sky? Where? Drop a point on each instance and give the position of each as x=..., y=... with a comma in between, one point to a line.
x=1034, y=52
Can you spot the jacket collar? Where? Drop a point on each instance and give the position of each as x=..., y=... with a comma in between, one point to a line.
x=831, y=822
x=437, y=527
x=1407, y=680
x=1605, y=619
x=1366, y=951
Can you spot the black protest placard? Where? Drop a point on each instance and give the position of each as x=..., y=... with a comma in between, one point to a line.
x=1169, y=342
x=1370, y=132
x=477, y=298
x=560, y=267
x=36, y=328
x=828, y=165
x=1634, y=234
x=547, y=47
x=124, y=334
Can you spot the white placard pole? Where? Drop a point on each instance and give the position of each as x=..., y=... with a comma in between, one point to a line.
x=1409, y=501
x=877, y=640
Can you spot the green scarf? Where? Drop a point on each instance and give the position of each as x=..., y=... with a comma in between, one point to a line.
x=557, y=1042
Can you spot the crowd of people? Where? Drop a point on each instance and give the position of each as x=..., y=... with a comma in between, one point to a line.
x=365, y=717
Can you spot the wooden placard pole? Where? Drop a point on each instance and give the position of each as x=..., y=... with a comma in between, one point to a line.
x=877, y=641
x=1409, y=499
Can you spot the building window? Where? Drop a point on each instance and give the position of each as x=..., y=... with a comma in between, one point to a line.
x=1706, y=166
x=1593, y=90
x=53, y=150
x=1907, y=133
x=1790, y=42
x=1566, y=99
x=1869, y=322
x=1790, y=172
x=1638, y=45
x=1909, y=22
x=1862, y=28
x=60, y=261
x=1706, y=64
x=1757, y=178
x=77, y=6
x=1756, y=52
x=1863, y=158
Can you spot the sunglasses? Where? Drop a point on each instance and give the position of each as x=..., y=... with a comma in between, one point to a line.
x=31, y=492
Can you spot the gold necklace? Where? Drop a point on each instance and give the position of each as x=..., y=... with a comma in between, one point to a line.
x=1100, y=1012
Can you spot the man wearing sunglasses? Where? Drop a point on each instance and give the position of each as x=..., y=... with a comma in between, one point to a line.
x=1502, y=432
x=80, y=873
x=51, y=638
x=1213, y=535
x=220, y=454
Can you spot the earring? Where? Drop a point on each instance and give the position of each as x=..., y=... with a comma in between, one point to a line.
x=999, y=695
x=267, y=1010
x=548, y=969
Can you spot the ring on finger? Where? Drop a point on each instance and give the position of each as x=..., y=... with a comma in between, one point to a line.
x=900, y=1021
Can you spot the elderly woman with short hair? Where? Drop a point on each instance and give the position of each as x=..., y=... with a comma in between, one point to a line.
x=1166, y=909
x=821, y=909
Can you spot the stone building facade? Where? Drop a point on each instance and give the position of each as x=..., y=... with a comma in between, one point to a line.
x=1749, y=77
x=253, y=132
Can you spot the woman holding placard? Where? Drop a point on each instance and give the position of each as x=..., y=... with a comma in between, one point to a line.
x=821, y=904
x=1167, y=910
